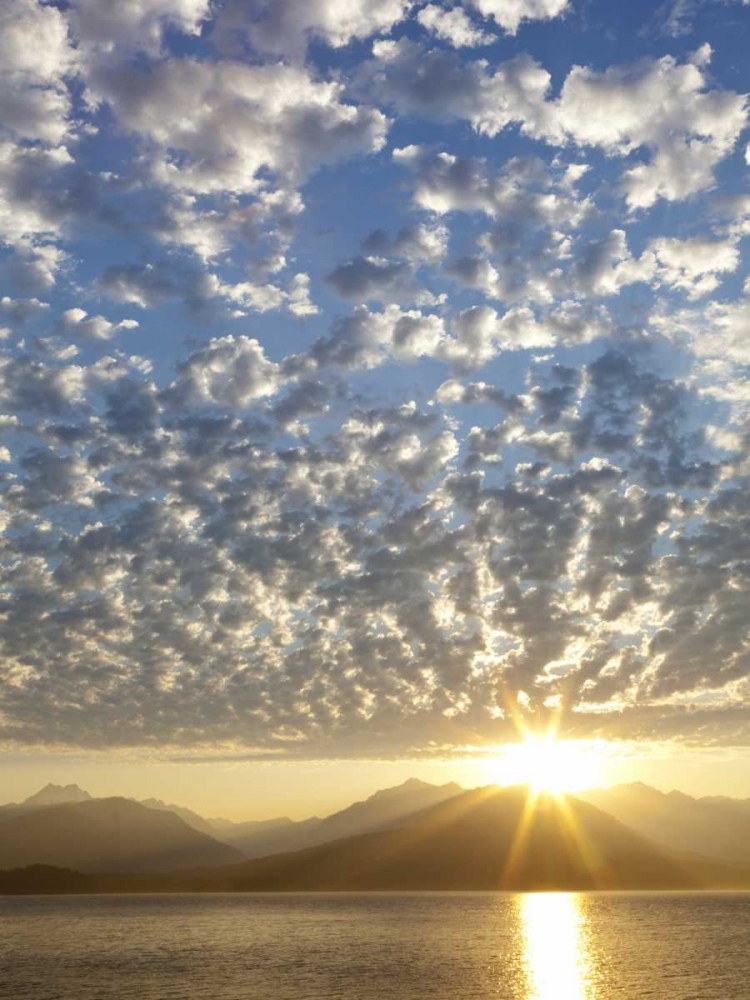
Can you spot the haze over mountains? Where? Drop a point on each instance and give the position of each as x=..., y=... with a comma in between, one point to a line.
x=416, y=835
x=387, y=808
x=112, y=834
x=714, y=825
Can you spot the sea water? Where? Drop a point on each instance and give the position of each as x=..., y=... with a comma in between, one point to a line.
x=377, y=946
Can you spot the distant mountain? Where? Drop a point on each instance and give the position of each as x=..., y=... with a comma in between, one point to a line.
x=56, y=795
x=489, y=838
x=50, y=795
x=384, y=810
x=473, y=841
x=111, y=835
x=191, y=818
x=257, y=838
x=715, y=826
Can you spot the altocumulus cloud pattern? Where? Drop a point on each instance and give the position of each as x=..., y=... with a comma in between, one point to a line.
x=373, y=372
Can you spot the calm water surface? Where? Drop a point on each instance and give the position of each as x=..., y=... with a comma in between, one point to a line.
x=467, y=946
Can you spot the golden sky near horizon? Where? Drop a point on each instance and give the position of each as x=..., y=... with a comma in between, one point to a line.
x=241, y=790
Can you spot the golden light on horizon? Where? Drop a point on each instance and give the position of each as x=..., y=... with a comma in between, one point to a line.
x=547, y=764
x=557, y=962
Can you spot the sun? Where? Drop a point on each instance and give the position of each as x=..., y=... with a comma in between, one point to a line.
x=547, y=764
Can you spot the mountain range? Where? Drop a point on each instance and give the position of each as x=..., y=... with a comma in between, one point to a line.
x=414, y=836
x=108, y=835
x=714, y=825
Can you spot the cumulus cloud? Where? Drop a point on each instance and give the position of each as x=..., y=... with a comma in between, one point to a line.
x=719, y=331
x=510, y=14
x=660, y=105
x=439, y=85
x=420, y=242
x=453, y=26
x=216, y=126
x=137, y=25
x=76, y=322
x=695, y=265
x=367, y=339
x=366, y=278
x=510, y=468
x=240, y=552
x=231, y=371
x=36, y=56
x=285, y=27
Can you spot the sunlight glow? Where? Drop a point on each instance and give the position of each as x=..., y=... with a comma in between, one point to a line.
x=556, y=957
x=546, y=764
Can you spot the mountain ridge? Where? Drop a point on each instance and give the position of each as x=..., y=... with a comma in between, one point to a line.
x=469, y=842
x=714, y=825
x=111, y=834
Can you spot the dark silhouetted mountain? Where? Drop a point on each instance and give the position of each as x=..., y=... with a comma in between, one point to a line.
x=489, y=838
x=716, y=826
x=474, y=841
x=108, y=835
x=386, y=809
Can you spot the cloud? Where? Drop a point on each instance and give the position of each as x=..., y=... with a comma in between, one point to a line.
x=325, y=590
x=138, y=25
x=511, y=472
x=363, y=279
x=367, y=339
x=36, y=56
x=453, y=26
x=76, y=322
x=438, y=85
x=661, y=105
x=510, y=14
x=217, y=126
x=719, y=331
x=694, y=265
x=687, y=127
x=420, y=242
x=285, y=27
x=230, y=371
x=675, y=17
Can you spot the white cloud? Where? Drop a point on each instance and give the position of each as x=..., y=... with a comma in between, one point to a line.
x=694, y=264
x=524, y=192
x=76, y=322
x=661, y=105
x=438, y=85
x=230, y=371
x=285, y=27
x=35, y=57
x=720, y=330
x=605, y=266
x=128, y=25
x=657, y=105
x=28, y=203
x=367, y=339
x=453, y=26
x=219, y=126
x=510, y=14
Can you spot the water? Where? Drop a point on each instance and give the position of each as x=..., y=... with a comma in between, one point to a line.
x=409, y=946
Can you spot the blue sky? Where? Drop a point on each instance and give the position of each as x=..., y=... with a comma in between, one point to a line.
x=373, y=376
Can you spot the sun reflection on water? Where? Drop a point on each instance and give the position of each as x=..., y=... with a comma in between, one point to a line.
x=556, y=955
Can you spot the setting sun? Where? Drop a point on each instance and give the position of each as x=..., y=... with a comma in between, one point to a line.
x=547, y=764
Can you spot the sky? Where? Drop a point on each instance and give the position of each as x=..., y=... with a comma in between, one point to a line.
x=373, y=388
